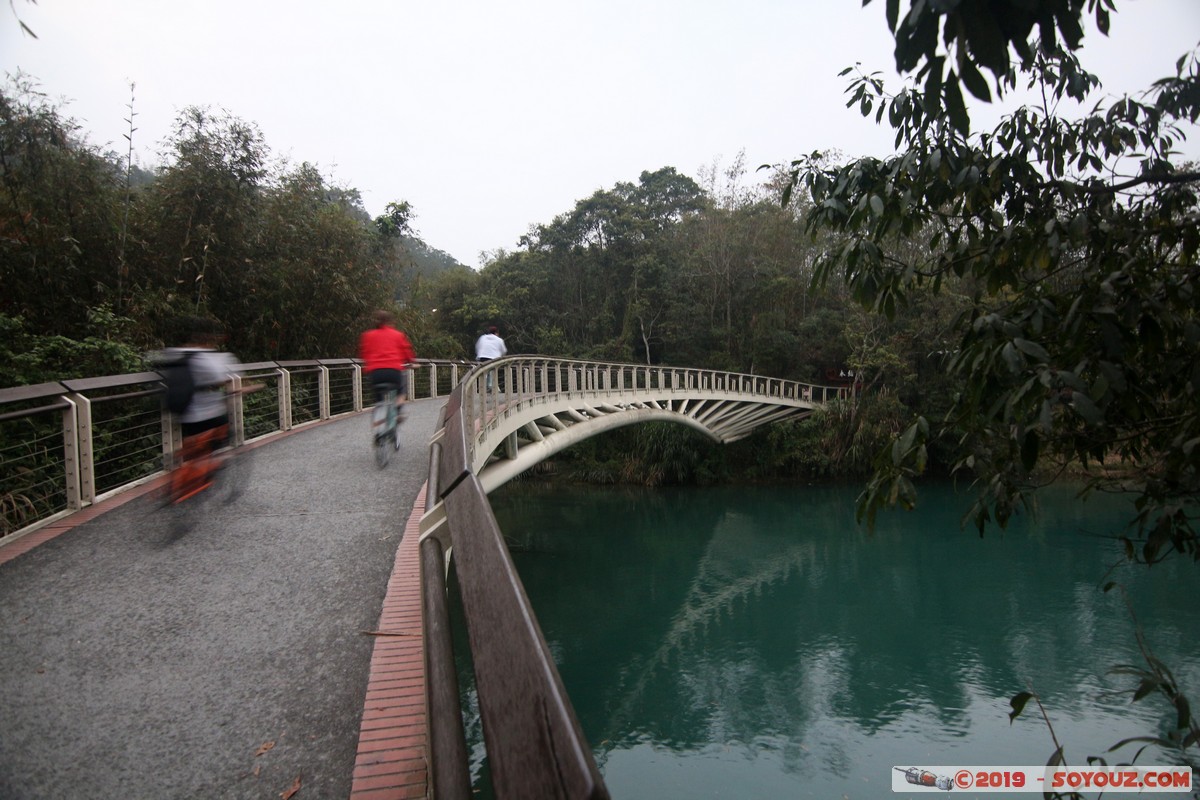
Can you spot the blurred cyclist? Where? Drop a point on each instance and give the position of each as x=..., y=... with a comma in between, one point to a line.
x=205, y=421
x=386, y=354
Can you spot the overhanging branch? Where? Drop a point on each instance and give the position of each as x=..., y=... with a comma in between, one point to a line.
x=1160, y=180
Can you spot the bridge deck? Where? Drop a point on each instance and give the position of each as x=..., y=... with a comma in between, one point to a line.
x=274, y=643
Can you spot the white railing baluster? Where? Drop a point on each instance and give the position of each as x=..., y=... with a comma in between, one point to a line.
x=84, y=451
x=285, y=399
x=71, y=456
x=322, y=391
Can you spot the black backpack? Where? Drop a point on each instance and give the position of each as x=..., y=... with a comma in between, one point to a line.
x=181, y=385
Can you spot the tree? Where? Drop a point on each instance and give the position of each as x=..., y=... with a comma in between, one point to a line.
x=198, y=217
x=1077, y=241
x=396, y=220
x=309, y=280
x=594, y=273
x=981, y=34
x=59, y=216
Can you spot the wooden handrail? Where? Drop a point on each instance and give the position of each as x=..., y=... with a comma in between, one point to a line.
x=535, y=746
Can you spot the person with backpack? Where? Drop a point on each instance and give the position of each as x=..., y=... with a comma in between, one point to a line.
x=197, y=376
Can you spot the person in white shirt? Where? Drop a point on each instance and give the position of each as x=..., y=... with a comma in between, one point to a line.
x=490, y=345
x=212, y=370
x=205, y=421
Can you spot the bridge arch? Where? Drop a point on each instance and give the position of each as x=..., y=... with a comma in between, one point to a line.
x=536, y=407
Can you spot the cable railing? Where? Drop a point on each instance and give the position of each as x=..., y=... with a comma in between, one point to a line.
x=67, y=444
x=535, y=746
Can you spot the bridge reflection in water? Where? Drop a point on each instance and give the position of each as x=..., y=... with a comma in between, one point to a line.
x=754, y=642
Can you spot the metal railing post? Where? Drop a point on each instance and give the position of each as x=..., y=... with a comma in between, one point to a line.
x=172, y=438
x=237, y=416
x=84, y=455
x=322, y=391
x=71, y=455
x=285, y=399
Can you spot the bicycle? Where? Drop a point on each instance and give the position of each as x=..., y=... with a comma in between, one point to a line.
x=209, y=464
x=198, y=465
x=385, y=427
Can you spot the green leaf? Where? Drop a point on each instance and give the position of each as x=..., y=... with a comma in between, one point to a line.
x=1030, y=445
x=987, y=39
x=1018, y=702
x=1155, y=740
x=1031, y=349
x=1012, y=358
x=1084, y=406
x=1146, y=687
x=974, y=80
x=956, y=107
x=1069, y=27
x=933, y=87
x=1183, y=712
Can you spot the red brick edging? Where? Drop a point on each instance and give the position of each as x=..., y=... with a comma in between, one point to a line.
x=391, y=762
x=27, y=541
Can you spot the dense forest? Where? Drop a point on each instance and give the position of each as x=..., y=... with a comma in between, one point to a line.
x=100, y=257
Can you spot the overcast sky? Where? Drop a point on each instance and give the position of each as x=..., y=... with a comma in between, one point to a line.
x=493, y=116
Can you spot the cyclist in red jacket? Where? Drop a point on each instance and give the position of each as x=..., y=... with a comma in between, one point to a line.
x=386, y=354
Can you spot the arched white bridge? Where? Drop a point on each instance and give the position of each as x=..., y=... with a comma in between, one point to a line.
x=537, y=406
x=503, y=418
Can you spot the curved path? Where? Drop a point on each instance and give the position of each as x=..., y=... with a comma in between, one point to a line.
x=226, y=658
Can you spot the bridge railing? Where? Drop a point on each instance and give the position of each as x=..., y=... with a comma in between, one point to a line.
x=67, y=444
x=535, y=746
x=521, y=381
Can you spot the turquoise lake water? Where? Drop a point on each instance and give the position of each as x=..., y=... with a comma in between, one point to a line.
x=740, y=642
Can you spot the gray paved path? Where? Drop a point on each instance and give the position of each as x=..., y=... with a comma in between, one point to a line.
x=142, y=660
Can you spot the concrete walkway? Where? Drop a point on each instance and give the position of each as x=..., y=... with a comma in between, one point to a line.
x=225, y=653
